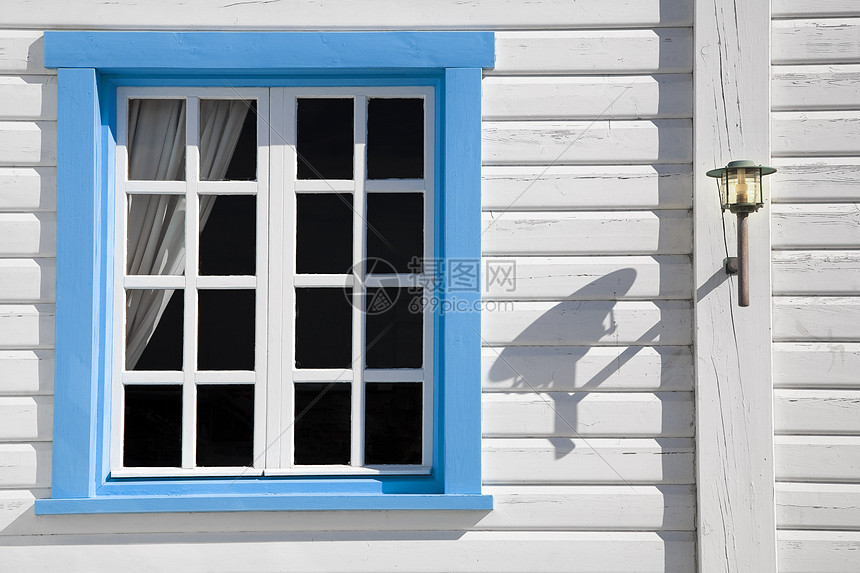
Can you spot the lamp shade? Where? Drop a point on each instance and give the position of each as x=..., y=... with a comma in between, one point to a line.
x=740, y=185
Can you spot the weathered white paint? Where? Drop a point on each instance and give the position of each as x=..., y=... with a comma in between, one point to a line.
x=835, y=226
x=587, y=97
x=819, y=41
x=816, y=87
x=27, y=280
x=813, y=8
x=25, y=143
x=26, y=418
x=587, y=233
x=589, y=322
x=580, y=414
x=808, y=133
x=586, y=142
x=26, y=326
x=663, y=50
x=26, y=372
x=28, y=234
x=819, y=318
x=584, y=278
x=584, y=368
x=816, y=179
x=816, y=272
x=28, y=97
x=818, y=551
x=826, y=365
x=817, y=458
x=25, y=465
x=818, y=411
x=22, y=52
x=588, y=461
x=568, y=187
x=818, y=506
x=28, y=189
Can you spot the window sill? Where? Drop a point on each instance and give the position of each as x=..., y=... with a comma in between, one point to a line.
x=280, y=502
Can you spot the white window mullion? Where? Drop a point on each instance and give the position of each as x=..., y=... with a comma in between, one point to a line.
x=429, y=254
x=359, y=293
x=192, y=239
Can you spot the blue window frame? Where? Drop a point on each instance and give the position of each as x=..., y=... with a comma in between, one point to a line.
x=90, y=67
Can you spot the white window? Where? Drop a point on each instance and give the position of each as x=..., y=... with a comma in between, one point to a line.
x=272, y=257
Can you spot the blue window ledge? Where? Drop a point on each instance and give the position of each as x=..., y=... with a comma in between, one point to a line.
x=90, y=67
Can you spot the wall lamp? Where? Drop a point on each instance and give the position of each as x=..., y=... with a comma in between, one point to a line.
x=740, y=193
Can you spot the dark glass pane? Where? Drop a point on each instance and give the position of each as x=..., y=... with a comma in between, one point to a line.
x=323, y=233
x=323, y=328
x=225, y=425
x=395, y=138
x=392, y=423
x=228, y=140
x=152, y=426
x=161, y=349
x=156, y=139
x=226, y=329
x=394, y=323
x=395, y=230
x=155, y=232
x=228, y=235
x=322, y=424
x=325, y=141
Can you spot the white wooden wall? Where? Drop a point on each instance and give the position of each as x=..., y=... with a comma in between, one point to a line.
x=588, y=406
x=816, y=283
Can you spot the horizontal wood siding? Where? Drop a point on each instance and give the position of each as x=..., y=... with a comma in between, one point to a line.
x=816, y=281
x=587, y=372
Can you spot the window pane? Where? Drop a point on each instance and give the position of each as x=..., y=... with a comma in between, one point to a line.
x=395, y=230
x=156, y=139
x=155, y=232
x=228, y=235
x=322, y=426
x=324, y=233
x=228, y=140
x=325, y=138
x=395, y=138
x=394, y=323
x=152, y=426
x=226, y=321
x=225, y=425
x=323, y=328
x=393, y=423
x=153, y=334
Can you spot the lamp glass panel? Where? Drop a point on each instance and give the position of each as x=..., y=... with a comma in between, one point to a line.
x=743, y=186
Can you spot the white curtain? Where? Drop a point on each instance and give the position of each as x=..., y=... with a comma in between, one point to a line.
x=156, y=223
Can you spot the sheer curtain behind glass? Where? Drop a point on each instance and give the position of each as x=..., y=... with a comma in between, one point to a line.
x=156, y=223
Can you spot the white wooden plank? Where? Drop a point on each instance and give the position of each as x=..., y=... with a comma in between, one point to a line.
x=625, y=507
x=817, y=458
x=454, y=551
x=28, y=189
x=818, y=411
x=814, y=319
x=576, y=368
x=22, y=51
x=584, y=278
x=28, y=97
x=26, y=326
x=587, y=233
x=815, y=226
x=25, y=465
x=818, y=506
x=24, y=143
x=815, y=8
x=589, y=322
x=666, y=50
x=586, y=142
x=375, y=15
x=561, y=187
x=26, y=418
x=818, y=551
x=816, y=180
x=27, y=280
x=834, y=365
x=816, y=41
x=28, y=234
x=815, y=87
x=535, y=461
x=816, y=272
x=587, y=97
x=26, y=372
x=580, y=414
x=806, y=133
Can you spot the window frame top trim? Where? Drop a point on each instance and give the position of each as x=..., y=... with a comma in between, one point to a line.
x=270, y=51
